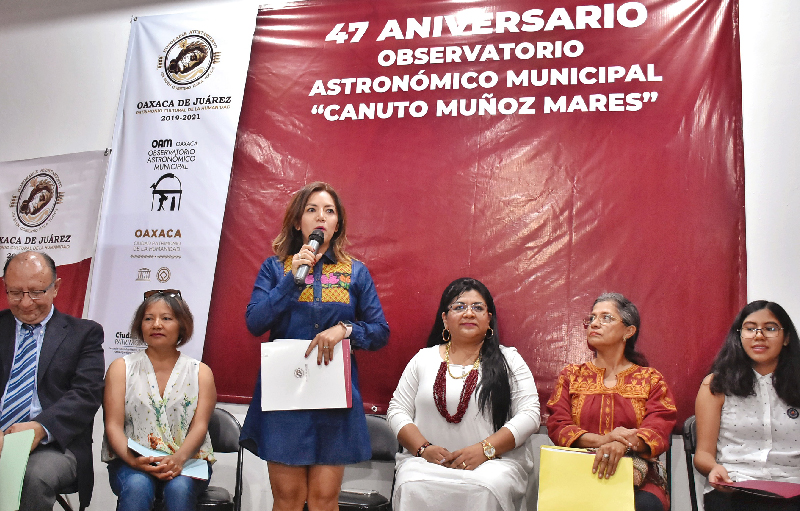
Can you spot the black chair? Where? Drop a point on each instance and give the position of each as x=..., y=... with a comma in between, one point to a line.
x=224, y=430
x=384, y=447
x=689, y=445
x=63, y=502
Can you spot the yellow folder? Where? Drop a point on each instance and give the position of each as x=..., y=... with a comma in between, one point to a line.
x=13, y=461
x=566, y=482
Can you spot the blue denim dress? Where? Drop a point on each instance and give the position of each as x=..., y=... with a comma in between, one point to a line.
x=335, y=291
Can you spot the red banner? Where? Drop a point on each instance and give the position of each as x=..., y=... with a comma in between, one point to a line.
x=553, y=152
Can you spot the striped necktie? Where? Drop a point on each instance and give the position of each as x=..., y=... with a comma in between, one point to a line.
x=19, y=392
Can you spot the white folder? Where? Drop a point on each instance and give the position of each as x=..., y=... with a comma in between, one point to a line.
x=290, y=381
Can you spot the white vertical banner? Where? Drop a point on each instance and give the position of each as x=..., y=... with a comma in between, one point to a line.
x=168, y=180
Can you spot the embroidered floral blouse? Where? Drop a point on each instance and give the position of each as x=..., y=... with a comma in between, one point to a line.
x=581, y=403
x=283, y=308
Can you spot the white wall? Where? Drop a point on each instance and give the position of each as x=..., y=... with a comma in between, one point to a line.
x=770, y=73
x=62, y=70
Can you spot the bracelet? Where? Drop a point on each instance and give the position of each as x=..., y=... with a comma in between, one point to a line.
x=422, y=449
x=348, y=328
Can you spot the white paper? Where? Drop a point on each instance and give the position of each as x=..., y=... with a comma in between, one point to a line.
x=289, y=381
x=194, y=467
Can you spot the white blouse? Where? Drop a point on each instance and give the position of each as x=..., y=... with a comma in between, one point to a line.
x=160, y=423
x=495, y=485
x=759, y=436
x=413, y=402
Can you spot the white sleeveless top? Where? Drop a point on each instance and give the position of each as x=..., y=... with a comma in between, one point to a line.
x=156, y=422
x=759, y=436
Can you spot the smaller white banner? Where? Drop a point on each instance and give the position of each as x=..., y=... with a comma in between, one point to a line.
x=51, y=205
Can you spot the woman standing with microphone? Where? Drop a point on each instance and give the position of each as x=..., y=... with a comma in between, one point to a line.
x=306, y=450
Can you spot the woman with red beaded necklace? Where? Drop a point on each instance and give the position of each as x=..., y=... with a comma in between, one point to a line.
x=464, y=410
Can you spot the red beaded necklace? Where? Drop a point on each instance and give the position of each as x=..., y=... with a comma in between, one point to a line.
x=440, y=389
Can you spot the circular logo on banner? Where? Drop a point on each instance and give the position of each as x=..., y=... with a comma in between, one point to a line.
x=792, y=413
x=36, y=200
x=163, y=274
x=188, y=60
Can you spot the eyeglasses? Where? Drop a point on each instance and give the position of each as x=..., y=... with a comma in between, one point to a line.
x=174, y=293
x=605, y=319
x=770, y=332
x=460, y=308
x=35, y=295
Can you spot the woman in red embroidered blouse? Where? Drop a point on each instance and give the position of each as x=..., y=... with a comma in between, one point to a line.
x=615, y=403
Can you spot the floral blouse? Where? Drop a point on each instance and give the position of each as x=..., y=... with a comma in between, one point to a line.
x=156, y=422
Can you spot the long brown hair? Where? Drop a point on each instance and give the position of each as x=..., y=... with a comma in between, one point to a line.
x=290, y=239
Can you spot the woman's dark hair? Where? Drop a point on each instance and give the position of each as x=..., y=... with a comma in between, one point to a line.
x=494, y=389
x=629, y=315
x=290, y=239
x=179, y=309
x=733, y=369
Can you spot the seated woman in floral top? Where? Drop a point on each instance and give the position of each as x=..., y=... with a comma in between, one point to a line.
x=163, y=400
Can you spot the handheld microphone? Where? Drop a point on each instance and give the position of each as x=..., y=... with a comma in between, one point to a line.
x=315, y=239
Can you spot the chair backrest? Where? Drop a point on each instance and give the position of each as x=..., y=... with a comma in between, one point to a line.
x=224, y=429
x=689, y=435
x=384, y=443
x=689, y=445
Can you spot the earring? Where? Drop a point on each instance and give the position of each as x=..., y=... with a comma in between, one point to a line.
x=446, y=339
x=489, y=333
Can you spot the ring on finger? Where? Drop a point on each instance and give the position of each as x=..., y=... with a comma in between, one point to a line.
x=606, y=456
x=464, y=464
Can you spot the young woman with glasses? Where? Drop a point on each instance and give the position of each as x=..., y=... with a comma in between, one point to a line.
x=748, y=423
x=615, y=403
x=463, y=410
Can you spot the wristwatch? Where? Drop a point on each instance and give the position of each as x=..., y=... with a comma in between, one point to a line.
x=348, y=328
x=488, y=449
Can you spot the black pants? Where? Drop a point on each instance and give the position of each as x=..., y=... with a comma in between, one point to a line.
x=646, y=501
x=740, y=501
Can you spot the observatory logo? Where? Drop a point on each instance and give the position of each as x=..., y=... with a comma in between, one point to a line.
x=188, y=59
x=166, y=193
x=36, y=200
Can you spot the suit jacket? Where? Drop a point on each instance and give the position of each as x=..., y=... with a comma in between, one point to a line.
x=69, y=384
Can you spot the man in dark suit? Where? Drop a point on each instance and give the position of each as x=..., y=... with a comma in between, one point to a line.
x=60, y=400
